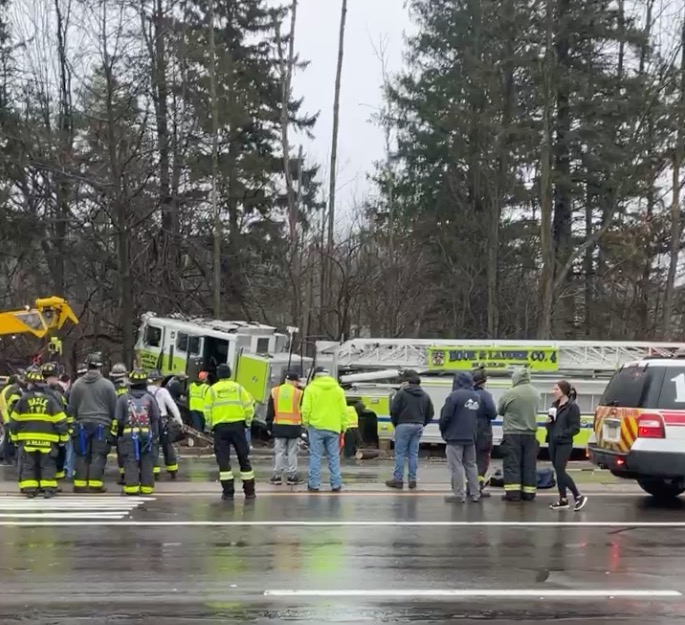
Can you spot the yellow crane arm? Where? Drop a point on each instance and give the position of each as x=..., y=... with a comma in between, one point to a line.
x=50, y=313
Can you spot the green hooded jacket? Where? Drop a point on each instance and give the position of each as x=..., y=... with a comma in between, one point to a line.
x=519, y=407
x=324, y=406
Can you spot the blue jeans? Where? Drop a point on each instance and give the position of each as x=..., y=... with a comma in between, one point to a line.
x=407, y=437
x=320, y=441
x=69, y=462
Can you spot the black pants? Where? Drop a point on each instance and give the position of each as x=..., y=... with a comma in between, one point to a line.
x=352, y=442
x=227, y=435
x=168, y=453
x=520, y=465
x=559, y=454
x=91, y=446
x=37, y=470
x=483, y=455
x=138, y=465
x=61, y=462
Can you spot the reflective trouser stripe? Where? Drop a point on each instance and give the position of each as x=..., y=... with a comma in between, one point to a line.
x=172, y=467
x=48, y=483
x=529, y=490
x=481, y=478
x=147, y=490
x=95, y=483
x=156, y=470
x=132, y=490
x=80, y=483
x=512, y=487
x=247, y=475
x=225, y=475
x=60, y=475
x=28, y=484
x=121, y=470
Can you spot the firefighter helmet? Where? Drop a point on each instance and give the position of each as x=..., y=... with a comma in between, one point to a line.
x=137, y=376
x=118, y=371
x=34, y=374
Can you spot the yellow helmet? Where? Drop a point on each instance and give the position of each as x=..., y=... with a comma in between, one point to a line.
x=137, y=376
x=34, y=375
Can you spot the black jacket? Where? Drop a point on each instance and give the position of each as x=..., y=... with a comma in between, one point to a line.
x=411, y=404
x=280, y=430
x=459, y=415
x=566, y=424
x=487, y=413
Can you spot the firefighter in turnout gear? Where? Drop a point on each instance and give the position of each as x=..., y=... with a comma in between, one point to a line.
x=228, y=411
x=168, y=410
x=284, y=421
x=8, y=397
x=136, y=426
x=118, y=376
x=38, y=426
x=92, y=403
x=51, y=377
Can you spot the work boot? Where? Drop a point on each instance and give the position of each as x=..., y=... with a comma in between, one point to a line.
x=294, y=480
x=173, y=475
x=276, y=480
x=30, y=494
x=49, y=494
x=249, y=489
x=81, y=489
x=394, y=484
x=511, y=498
x=311, y=489
x=97, y=489
x=412, y=484
x=227, y=496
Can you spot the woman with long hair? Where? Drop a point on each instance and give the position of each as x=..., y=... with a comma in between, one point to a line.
x=563, y=424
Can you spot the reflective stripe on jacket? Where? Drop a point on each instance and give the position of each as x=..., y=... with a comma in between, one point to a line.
x=287, y=399
x=352, y=418
x=196, y=396
x=38, y=421
x=228, y=402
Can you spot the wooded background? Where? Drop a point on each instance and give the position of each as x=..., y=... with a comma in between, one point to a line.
x=531, y=185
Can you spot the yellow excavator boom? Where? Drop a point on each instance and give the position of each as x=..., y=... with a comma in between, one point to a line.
x=49, y=314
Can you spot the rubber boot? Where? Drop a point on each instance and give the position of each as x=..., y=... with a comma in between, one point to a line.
x=229, y=489
x=173, y=475
x=249, y=489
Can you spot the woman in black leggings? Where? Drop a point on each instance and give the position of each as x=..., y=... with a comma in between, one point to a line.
x=563, y=424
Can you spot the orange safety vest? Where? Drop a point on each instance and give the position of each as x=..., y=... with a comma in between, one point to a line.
x=287, y=400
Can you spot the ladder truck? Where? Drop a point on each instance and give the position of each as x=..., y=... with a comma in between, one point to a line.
x=370, y=370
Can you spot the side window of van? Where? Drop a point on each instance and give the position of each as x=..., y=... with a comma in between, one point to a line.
x=153, y=336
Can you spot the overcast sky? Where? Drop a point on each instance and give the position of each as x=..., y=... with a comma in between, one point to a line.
x=361, y=143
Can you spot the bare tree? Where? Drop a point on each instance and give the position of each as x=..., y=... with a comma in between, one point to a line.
x=216, y=256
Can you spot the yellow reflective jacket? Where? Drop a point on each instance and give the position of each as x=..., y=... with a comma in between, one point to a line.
x=324, y=406
x=227, y=402
x=196, y=395
x=352, y=418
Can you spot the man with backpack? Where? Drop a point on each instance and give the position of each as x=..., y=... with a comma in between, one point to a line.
x=169, y=412
x=137, y=427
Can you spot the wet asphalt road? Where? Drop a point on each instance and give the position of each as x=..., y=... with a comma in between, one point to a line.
x=185, y=558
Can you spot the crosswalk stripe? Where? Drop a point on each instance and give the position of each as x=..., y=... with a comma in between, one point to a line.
x=100, y=508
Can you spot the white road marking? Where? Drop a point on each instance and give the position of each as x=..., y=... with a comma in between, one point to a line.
x=475, y=593
x=399, y=524
x=83, y=510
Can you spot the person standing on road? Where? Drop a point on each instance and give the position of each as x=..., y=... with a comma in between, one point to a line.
x=487, y=413
x=228, y=412
x=137, y=428
x=8, y=397
x=519, y=408
x=284, y=421
x=168, y=410
x=351, y=437
x=51, y=379
x=324, y=413
x=411, y=410
x=563, y=424
x=38, y=426
x=196, y=401
x=118, y=376
x=92, y=404
x=459, y=426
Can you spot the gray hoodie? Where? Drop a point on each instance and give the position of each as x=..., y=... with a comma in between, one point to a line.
x=93, y=399
x=519, y=406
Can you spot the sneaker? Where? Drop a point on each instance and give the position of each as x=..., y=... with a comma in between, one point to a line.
x=311, y=489
x=454, y=499
x=394, y=484
x=337, y=489
x=580, y=503
x=562, y=504
x=276, y=480
x=294, y=480
x=412, y=484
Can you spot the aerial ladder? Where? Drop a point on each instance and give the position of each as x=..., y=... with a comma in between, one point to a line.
x=370, y=358
x=47, y=316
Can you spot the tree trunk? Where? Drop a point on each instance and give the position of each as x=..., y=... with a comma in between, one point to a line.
x=216, y=252
x=546, y=193
x=675, y=204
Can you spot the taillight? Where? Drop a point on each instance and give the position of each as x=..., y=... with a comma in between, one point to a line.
x=650, y=426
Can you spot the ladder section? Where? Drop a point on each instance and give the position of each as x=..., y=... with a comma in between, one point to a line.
x=414, y=353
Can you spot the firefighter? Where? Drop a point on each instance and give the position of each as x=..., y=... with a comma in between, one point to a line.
x=92, y=402
x=8, y=397
x=168, y=410
x=118, y=376
x=228, y=411
x=136, y=427
x=50, y=377
x=196, y=401
x=284, y=421
x=38, y=425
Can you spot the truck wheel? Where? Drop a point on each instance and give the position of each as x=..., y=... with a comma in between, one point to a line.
x=662, y=488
